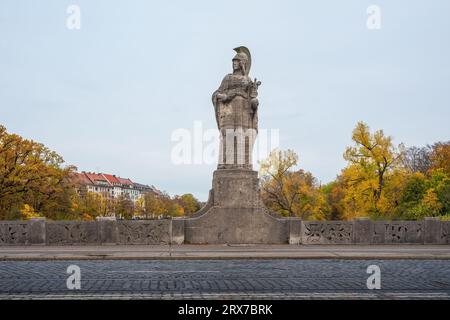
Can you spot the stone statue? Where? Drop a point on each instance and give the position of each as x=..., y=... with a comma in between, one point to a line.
x=236, y=109
x=234, y=212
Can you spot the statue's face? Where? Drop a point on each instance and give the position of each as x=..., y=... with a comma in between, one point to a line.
x=236, y=65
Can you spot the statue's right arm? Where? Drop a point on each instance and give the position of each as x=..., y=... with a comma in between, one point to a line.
x=220, y=94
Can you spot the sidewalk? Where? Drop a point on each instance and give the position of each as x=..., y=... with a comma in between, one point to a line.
x=193, y=252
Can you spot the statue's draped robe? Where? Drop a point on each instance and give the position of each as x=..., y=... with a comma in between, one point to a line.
x=237, y=121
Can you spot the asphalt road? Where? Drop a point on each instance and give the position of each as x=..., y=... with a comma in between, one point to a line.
x=225, y=279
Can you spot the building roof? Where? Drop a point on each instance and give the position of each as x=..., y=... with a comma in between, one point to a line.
x=143, y=187
x=96, y=178
x=124, y=181
x=112, y=179
x=80, y=178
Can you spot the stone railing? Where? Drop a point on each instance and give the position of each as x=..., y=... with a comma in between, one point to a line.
x=42, y=232
x=365, y=231
x=153, y=232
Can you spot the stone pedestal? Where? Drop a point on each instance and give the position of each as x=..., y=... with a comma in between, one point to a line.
x=235, y=213
x=236, y=188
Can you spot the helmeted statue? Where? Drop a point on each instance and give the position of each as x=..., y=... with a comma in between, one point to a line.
x=234, y=212
x=236, y=109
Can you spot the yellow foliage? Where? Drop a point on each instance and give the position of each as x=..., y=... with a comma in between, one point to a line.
x=373, y=162
x=28, y=212
x=87, y=217
x=288, y=192
x=431, y=202
x=31, y=173
x=440, y=157
x=189, y=203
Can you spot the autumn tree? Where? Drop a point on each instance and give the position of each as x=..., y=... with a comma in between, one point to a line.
x=372, y=159
x=334, y=193
x=139, y=207
x=174, y=209
x=417, y=159
x=424, y=196
x=189, y=203
x=425, y=159
x=90, y=205
x=124, y=207
x=426, y=186
x=289, y=192
x=154, y=204
x=440, y=157
x=32, y=175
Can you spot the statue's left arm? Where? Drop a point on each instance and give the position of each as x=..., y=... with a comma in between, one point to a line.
x=254, y=103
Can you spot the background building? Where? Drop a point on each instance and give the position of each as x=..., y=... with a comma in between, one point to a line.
x=110, y=185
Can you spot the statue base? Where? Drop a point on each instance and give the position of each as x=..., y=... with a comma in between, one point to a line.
x=235, y=213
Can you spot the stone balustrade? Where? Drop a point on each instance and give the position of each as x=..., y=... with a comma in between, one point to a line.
x=156, y=232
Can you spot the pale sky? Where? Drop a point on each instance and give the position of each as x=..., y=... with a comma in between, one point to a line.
x=107, y=97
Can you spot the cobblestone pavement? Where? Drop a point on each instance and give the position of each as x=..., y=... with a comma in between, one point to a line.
x=225, y=279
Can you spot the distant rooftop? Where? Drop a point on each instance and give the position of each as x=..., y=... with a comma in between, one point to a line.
x=102, y=179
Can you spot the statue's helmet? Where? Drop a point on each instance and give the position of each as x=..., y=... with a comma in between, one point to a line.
x=243, y=56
